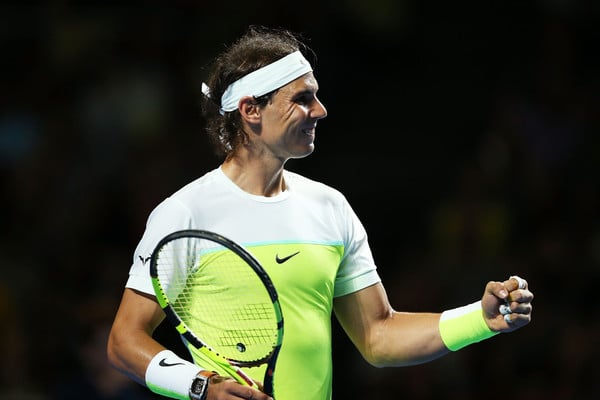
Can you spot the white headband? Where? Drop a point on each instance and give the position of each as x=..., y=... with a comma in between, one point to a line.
x=264, y=80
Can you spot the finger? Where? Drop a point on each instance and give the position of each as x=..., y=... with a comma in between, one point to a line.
x=515, y=308
x=505, y=310
x=253, y=394
x=230, y=387
x=521, y=283
x=517, y=296
x=249, y=393
x=517, y=319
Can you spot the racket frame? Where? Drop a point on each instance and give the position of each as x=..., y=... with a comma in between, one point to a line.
x=229, y=366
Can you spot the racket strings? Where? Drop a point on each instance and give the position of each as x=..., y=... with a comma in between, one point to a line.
x=220, y=298
x=255, y=312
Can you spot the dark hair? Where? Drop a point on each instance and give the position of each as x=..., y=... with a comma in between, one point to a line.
x=259, y=46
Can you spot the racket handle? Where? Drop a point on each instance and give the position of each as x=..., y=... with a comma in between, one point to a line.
x=233, y=370
x=245, y=379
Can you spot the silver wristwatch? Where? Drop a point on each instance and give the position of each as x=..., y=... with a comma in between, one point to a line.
x=199, y=388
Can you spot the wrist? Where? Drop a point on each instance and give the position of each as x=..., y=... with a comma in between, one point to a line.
x=462, y=326
x=171, y=376
x=199, y=387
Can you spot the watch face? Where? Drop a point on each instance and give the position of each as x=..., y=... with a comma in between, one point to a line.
x=198, y=387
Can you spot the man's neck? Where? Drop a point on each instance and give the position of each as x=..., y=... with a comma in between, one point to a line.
x=256, y=178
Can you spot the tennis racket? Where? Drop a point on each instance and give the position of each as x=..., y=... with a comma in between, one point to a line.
x=221, y=300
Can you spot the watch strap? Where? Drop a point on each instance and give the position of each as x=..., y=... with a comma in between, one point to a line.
x=206, y=373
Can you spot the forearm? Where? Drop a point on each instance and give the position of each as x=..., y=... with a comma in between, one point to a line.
x=386, y=337
x=130, y=344
x=132, y=353
x=405, y=339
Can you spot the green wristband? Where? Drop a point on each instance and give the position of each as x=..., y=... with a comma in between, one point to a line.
x=463, y=326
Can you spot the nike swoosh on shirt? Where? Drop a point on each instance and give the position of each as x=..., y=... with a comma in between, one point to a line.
x=164, y=363
x=284, y=259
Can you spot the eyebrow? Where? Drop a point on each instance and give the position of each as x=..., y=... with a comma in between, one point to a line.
x=305, y=92
x=310, y=88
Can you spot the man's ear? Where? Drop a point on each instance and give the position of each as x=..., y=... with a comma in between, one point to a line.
x=249, y=110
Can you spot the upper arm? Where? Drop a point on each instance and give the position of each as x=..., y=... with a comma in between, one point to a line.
x=386, y=337
x=361, y=313
x=138, y=311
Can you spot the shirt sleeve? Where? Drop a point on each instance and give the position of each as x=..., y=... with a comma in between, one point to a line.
x=168, y=217
x=357, y=270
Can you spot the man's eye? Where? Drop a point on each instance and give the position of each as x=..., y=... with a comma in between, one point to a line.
x=303, y=100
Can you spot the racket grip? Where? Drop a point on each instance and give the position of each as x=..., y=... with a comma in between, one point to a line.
x=232, y=370
x=246, y=379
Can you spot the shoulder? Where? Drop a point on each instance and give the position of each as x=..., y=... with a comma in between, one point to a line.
x=209, y=186
x=183, y=200
x=302, y=184
x=209, y=180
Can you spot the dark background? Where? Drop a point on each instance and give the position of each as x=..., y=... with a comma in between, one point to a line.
x=465, y=135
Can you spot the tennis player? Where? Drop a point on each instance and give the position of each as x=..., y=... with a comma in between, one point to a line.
x=261, y=108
